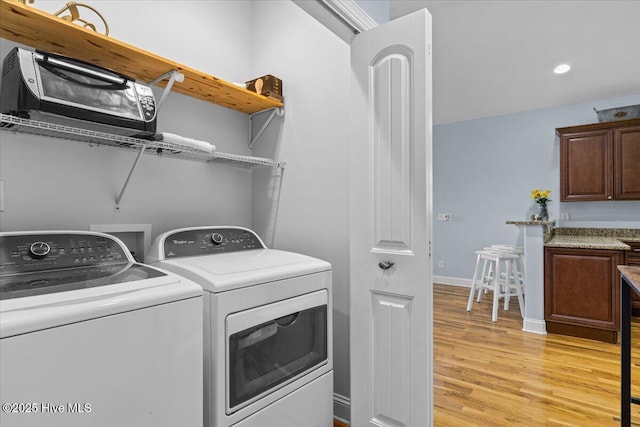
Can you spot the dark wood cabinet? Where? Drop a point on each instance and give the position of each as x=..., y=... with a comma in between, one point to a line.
x=600, y=162
x=582, y=292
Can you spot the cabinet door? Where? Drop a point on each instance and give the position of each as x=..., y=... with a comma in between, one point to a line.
x=581, y=287
x=627, y=163
x=586, y=166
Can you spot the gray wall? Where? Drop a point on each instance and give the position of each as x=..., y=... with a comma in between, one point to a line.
x=312, y=214
x=304, y=211
x=57, y=184
x=484, y=171
x=379, y=10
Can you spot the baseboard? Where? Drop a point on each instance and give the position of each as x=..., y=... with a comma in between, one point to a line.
x=534, y=326
x=453, y=281
x=341, y=410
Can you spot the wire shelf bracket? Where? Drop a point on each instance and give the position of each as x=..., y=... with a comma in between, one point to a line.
x=126, y=182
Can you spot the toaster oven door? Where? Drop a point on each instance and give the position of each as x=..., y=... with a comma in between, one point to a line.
x=76, y=84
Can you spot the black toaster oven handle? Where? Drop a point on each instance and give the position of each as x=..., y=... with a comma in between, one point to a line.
x=54, y=63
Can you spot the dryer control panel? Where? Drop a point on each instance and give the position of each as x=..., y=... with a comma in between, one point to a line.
x=207, y=241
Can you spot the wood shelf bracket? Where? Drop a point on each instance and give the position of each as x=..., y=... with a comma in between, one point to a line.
x=279, y=111
x=173, y=76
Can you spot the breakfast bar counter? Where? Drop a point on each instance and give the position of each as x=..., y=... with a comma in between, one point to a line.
x=629, y=282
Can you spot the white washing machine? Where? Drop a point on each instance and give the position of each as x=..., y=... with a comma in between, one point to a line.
x=267, y=327
x=88, y=337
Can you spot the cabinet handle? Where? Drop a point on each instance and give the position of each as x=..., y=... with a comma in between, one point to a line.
x=609, y=197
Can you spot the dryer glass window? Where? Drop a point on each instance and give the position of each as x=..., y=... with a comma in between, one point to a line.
x=267, y=355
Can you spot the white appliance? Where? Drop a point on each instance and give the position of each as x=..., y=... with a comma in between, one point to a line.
x=268, y=355
x=88, y=337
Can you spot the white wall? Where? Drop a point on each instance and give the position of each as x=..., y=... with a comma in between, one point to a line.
x=312, y=215
x=56, y=184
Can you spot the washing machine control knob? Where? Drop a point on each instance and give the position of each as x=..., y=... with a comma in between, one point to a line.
x=216, y=238
x=39, y=250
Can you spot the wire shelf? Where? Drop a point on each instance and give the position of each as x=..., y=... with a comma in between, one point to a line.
x=158, y=148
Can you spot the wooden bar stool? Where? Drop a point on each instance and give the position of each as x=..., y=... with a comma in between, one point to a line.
x=496, y=271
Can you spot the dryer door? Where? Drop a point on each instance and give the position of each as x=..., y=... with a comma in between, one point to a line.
x=273, y=345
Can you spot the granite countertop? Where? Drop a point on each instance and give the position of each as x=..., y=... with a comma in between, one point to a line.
x=547, y=226
x=531, y=222
x=594, y=238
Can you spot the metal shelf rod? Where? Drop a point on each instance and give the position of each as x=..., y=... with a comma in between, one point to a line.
x=126, y=182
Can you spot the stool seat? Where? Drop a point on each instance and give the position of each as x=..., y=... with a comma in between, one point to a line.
x=497, y=270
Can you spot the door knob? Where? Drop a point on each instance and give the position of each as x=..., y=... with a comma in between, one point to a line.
x=385, y=265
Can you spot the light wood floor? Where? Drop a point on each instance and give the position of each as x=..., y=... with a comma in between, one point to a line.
x=493, y=374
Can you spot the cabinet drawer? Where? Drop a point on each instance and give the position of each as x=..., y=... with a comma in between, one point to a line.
x=632, y=258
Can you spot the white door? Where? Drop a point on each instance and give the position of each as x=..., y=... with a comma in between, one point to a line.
x=390, y=225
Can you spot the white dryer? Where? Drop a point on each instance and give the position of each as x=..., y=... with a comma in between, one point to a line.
x=267, y=327
x=88, y=337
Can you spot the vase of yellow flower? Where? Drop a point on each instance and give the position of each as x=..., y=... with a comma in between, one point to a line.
x=541, y=198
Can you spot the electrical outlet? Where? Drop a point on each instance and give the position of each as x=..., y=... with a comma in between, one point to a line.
x=564, y=216
x=441, y=264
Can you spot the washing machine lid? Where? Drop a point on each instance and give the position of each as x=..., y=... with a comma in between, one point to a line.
x=228, y=271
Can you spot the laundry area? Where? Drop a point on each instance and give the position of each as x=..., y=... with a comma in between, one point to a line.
x=170, y=242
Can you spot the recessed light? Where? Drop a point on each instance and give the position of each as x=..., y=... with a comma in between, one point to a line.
x=562, y=68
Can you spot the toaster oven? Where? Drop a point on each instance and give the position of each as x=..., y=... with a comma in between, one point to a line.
x=56, y=89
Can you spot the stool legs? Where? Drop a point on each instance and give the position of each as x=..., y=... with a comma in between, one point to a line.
x=518, y=284
x=496, y=293
x=473, y=283
x=499, y=273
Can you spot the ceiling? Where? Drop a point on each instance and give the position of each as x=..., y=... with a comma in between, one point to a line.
x=497, y=57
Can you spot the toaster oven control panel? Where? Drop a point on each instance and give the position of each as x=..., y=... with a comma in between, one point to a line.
x=147, y=102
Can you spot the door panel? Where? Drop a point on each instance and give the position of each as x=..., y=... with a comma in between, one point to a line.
x=390, y=94
x=390, y=224
x=586, y=166
x=627, y=152
x=391, y=347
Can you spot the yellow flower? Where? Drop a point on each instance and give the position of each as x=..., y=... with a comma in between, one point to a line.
x=541, y=196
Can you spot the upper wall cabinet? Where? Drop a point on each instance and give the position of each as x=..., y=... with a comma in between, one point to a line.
x=41, y=30
x=600, y=162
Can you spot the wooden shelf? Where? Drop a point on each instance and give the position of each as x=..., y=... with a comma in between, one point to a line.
x=33, y=27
